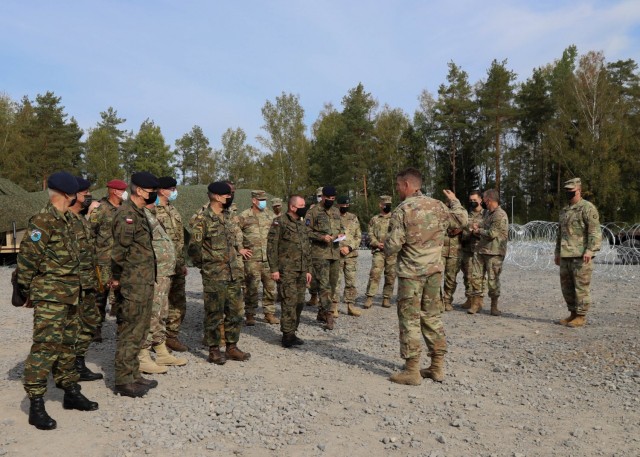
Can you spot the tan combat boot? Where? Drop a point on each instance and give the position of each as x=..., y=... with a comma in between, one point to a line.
x=368, y=303
x=321, y=317
x=334, y=309
x=313, y=301
x=467, y=304
x=165, y=358
x=352, y=310
x=386, y=303
x=251, y=320
x=578, y=321
x=566, y=320
x=233, y=352
x=410, y=376
x=436, y=370
x=476, y=304
x=447, y=305
x=329, y=323
x=271, y=319
x=147, y=364
x=494, y=307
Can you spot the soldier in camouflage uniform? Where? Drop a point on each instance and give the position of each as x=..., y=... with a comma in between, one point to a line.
x=276, y=206
x=493, y=233
x=416, y=234
x=289, y=256
x=378, y=228
x=313, y=287
x=133, y=271
x=579, y=238
x=88, y=310
x=171, y=221
x=451, y=260
x=214, y=248
x=348, y=258
x=325, y=225
x=101, y=224
x=48, y=278
x=469, y=243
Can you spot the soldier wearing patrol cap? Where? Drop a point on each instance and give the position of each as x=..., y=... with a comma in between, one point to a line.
x=378, y=228
x=579, y=238
x=276, y=206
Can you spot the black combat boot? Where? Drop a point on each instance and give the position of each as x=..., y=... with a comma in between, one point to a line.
x=133, y=389
x=38, y=416
x=85, y=373
x=287, y=340
x=73, y=399
x=148, y=383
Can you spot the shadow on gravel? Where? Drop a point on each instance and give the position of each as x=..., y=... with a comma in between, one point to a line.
x=505, y=315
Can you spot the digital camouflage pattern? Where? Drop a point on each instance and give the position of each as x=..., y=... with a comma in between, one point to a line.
x=380, y=263
x=452, y=259
x=491, y=249
x=349, y=263
x=469, y=243
x=485, y=267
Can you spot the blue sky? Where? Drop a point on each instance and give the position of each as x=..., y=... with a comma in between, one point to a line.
x=215, y=63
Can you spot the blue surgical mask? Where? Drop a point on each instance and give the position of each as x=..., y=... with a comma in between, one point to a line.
x=173, y=195
x=262, y=204
x=157, y=201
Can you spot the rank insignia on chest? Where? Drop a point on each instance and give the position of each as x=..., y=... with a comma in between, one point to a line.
x=36, y=235
x=129, y=221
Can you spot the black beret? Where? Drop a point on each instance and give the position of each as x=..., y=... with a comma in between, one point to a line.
x=83, y=184
x=329, y=191
x=145, y=180
x=64, y=182
x=167, y=182
x=343, y=200
x=219, y=188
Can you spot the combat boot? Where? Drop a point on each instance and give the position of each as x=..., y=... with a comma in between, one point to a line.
x=436, y=370
x=329, y=322
x=297, y=341
x=250, y=320
x=217, y=357
x=352, y=310
x=466, y=304
x=85, y=373
x=148, y=383
x=448, y=306
x=410, y=376
x=579, y=321
x=164, y=357
x=73, y=399
x=494, y=307
x=386, y=303
x=566, y=320
x=287, y=340
x=321, y=316
x=313, y=301
x=234, y=353
x=174, y=344
x=368, y=303
x=271, y=319
x=97, y=336
x=148, y=365
x=38, y=416
x=334, y=309
x=476, y=304
x=132, y=390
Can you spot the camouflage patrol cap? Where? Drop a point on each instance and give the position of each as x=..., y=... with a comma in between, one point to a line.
x=259, y=194
x=276, y=202
x=384, y=199
x=573, y=184
x=319, y=192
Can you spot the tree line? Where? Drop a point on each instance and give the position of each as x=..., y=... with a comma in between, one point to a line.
x=577, y=116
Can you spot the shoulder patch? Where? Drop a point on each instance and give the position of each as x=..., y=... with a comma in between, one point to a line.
x=36, y=235
x=128, y=220
x=307, y=222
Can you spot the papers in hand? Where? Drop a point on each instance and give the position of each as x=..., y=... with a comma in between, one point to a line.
x=340, y=238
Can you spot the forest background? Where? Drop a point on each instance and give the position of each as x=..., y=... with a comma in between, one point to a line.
x=577, y=116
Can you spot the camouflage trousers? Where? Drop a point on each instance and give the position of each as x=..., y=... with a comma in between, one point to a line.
x=381, y=263
x=467, y=271
x=222, y=305
x=575, y=282
x=348, y=270
x=159, y=310
x=133, y=317
x=55, y=331
x=177, y=305
x=90, y=319
x=451, y=268
x=293, y=284
x=419, y=310
x=489, y=266
x=103, y=297
x=326, y=272
x=256, y=272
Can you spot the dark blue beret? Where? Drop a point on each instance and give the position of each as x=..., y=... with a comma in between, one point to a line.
x=343, y=200
x=83, y=184
x=145, y=180
x=63, y=182
x=219, y=188
x=329, y=191
x=167, y=182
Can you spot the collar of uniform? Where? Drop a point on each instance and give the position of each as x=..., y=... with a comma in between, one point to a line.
x=55, y=211
x=291, y=218
x=134, y=207
x=417, y=193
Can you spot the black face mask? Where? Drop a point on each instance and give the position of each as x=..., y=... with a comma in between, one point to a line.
x=484, y=205
x=151, y=198
x=328, y=204
x=344, y=210
x=88, y=199
x=301, y=212
x=473, y=205
x=227, y=204
x=570, y=194
x=387, y=208
x=73, y=202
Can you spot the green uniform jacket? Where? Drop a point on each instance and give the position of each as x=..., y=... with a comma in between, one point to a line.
x=48, y=261
x=321, y=222
x=171, y=222
x=288, y=247
x=579, y=231
x=378, y=229
x=470, y=240
x=494, y=232
x=417, y=231
x=255, y=228
x=353, y=234
x=86, y=251
x=101, y=220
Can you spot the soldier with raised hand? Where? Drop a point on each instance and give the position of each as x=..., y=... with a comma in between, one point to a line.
x=288, y=253
x=48, y=277
x=348, y=258
x=171, y=221
x=214, y=248
x=101, y=220
x=416, y=234
x=380, y=262
x=493, y=233
x=579, y=239
x=469, y=242
x=313, y=287
x=255, y=223
x=133, y=271
x=325, y=226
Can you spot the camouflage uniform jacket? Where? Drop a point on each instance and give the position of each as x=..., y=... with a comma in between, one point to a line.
x=470, y=241
x=214, y=247
x=451, y=246
x=171, y=221
x=102, y=226
x=416, y=233
x=255, y=228
x=353, y=234
x=494, y=232
x=132, y=257
x=163, y=246
x=579, y=230
x=321, y=222
x=48, y=262
x=86, y=251
x=288, y=247
x=378, y=229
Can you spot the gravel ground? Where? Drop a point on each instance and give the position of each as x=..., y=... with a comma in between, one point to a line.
x=517, y=385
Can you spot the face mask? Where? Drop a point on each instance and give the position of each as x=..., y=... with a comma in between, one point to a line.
x=387, y=208
x=473, y=205
x=73, y=201
x=124, y=196
x=484, y=205
x=318, y=198
x=570, y=194
x=301, y=212
x=344, y=210
x=328, y=204
x=262, y=204
x=227, y=204
x=157, y=201
x=173, y=195
x=88, y=199
x=151, y=198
